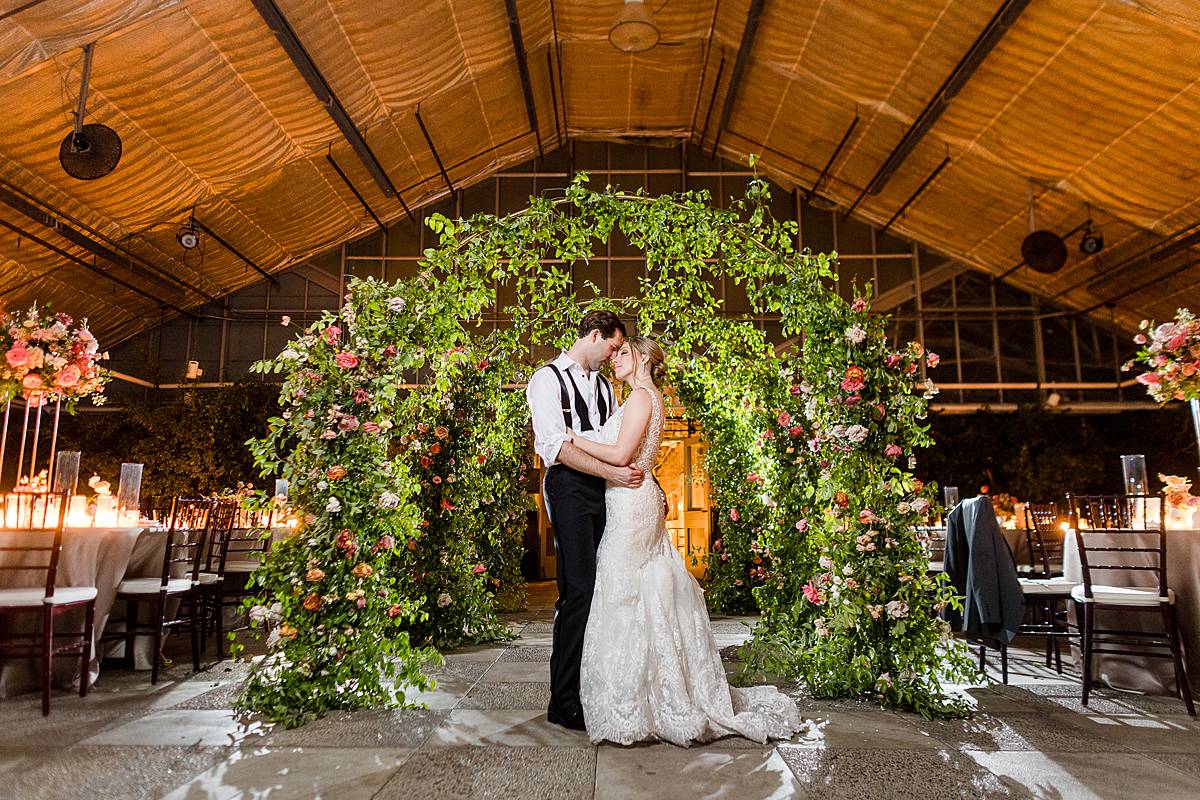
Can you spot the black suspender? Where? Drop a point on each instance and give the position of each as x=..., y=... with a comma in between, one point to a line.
x=585, y=421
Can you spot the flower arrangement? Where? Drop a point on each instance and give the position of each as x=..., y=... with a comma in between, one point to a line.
x=46, y=359
x=1171, y=352
x=1178, y=492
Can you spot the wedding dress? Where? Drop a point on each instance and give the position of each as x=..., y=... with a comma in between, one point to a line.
x=651, y=668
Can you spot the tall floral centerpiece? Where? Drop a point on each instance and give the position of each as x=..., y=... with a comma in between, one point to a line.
x=1171, y=354
x=49, y=361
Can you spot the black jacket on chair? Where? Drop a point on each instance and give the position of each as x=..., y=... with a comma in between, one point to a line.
x=980, y=565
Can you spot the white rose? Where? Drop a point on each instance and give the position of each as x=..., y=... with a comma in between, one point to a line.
x=333, y=506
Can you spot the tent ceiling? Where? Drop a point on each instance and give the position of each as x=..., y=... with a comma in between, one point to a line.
x=1092, y=103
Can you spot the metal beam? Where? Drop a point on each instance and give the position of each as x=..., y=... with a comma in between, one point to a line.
x=54, y=217
x=303, y=62
x=908, y=290
x=18, y=203
x=913, y=197
x=354, y=191
x=216, y=237
x=1148, y=254
x=74, y=259
x=432, y=149
x=991, y=35
x=514, y=29
x=837, y=151
x=739, y=66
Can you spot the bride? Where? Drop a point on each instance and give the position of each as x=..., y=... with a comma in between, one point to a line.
x=651, y=669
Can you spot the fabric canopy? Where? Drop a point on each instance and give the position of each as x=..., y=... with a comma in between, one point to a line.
x=1089, y=107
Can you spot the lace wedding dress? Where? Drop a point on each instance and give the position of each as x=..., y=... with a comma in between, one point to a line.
x=651, y=669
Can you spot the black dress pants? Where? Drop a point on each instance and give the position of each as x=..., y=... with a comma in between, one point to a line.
x=577, y=511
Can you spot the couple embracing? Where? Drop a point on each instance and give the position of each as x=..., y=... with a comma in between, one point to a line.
x=634, y=657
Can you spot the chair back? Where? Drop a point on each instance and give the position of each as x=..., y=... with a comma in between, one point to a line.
x=1120, y=533
x=187, y=534
x=1043, y=538
x=249, y=538
x=934, y=541
x=35, y=521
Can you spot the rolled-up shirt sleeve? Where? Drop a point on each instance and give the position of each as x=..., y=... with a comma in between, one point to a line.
x=545, y=408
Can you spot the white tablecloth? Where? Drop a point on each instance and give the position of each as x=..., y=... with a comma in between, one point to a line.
x=100, y=557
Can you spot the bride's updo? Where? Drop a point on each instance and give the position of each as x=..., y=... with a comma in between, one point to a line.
x=651, y=349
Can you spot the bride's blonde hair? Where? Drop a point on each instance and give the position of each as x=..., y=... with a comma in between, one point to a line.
x=653, y=351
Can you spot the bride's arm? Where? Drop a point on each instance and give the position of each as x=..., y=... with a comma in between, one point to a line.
x=634, y=420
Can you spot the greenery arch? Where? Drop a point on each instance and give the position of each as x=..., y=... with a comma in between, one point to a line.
x=413, y=492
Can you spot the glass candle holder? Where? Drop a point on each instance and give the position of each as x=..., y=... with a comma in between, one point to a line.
x=1133, y=469
x=950, y=495
x=129, y=491
x=66, y=471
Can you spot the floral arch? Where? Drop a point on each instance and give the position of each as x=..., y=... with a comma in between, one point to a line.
x=406, y=454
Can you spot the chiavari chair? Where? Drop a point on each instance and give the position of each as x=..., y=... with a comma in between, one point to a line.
x=1125, y=534
x=1044, y=539
x=40, y=516
x=240, y=538
x=186, y=535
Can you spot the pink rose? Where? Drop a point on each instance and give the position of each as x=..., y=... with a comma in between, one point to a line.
x=859, y=305
x=1139, y=339
x=348, y=423
x=479, y=569
x=1177, y=341
x=346, y=360
x=68, y=376
x=785, y=419
x=371, y=427
x=933, y=359
x=796, y=430
x=794, y=391
x=852, y=400
x=733, y=514
x=853, y=385
x=17, y=356
x=32, y=381
x=752, y=477
x=1149, y=379
x=802, y=525
x=893, y=451
x=331, y=333
x=361, y=395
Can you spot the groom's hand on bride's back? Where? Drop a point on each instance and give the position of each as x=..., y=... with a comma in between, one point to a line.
x=630, y=477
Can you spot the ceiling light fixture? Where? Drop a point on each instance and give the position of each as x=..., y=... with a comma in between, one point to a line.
x=188, y=237
x=1092, y=241
x=634, y=30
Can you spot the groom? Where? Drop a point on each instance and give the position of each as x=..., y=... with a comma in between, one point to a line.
x=569, y=392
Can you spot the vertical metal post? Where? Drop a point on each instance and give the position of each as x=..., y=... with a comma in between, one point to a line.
x=53, y=443
x=37, y=433
x=24, y=433
x=1194, y=404
x=4, y=440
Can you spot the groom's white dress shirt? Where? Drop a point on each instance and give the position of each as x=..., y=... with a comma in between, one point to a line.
x=544, y=395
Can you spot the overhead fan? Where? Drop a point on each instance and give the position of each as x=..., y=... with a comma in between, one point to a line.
x=1044, y=251
x=93, y=150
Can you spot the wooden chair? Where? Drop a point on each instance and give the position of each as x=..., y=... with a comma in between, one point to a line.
x=935, y=546
x=187, y=532
x=1119, y=533
x=40, y=516
x=240, y=540
x=1044, y=539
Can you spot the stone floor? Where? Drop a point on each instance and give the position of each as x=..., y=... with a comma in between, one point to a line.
x=484, y=735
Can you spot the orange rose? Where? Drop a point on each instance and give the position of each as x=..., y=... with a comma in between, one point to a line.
x=313, y=602
x=362, y=570
x=287, y=631
x=336, y=472
x=435, y=448
x=314, y=575
x=412, y=544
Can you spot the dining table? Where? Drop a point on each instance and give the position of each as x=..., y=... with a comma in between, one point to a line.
x=1141, y=673
x=101, y=557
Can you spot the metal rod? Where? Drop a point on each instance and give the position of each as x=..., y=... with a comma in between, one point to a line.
x=81, y=107
x=307, y=68
x=37, y=434
x=837, y=151
x=514, y=29
x=217, y=238
x=4, y=439
x=562, y=89
x=753, y=17
x=913, y=197
x=988, y=38
x=1145, y=252
x=358, y=195
x=54, y=443
x=24, y=434
x=558, y=132
x=712, y=100
x=1143, y=285
x=432, y=149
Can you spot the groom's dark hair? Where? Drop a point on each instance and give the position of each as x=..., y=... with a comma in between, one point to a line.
x=601, y=320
